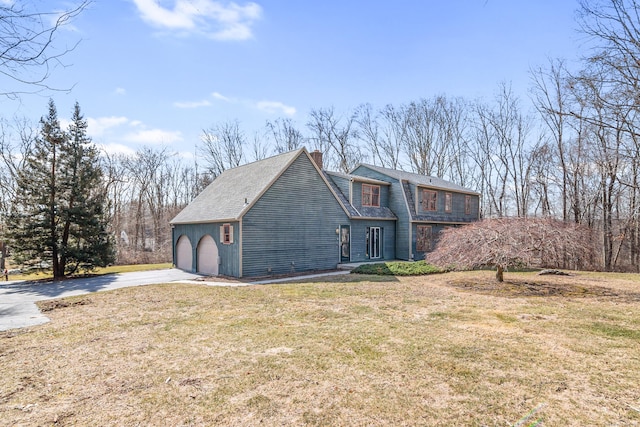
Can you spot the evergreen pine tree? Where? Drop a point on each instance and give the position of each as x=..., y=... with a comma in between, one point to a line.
x=58, y=216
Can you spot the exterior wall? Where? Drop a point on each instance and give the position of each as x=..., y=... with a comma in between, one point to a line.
x=457, y=213
x=357, y=194
x=292, y=227
x=229, y=254
x=435, y=230
x=359, y=239
x=395, y=202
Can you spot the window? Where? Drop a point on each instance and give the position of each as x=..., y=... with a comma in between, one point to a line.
x=371, y=195
x=429, y=200
x=226, y=234
x=467, y=205
x=423, y=238
x=447, y=202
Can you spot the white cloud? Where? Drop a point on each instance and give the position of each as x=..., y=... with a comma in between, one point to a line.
x=154, y=136
x=192, y=104
x=120, y=91
x=208, y=17
x=271, y=107
x=97, y=127
x=274, y=107
x=219, y=96
x=116, y=149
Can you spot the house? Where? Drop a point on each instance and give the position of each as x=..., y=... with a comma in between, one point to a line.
x=286, y=214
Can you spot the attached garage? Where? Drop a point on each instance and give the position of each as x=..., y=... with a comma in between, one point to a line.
x=184, y=254
x=207, y=256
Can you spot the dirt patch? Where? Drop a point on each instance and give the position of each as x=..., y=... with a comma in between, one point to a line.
x=539, y=288
x=55, y=304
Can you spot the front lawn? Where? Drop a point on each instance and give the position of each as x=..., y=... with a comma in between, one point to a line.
x=454, y=349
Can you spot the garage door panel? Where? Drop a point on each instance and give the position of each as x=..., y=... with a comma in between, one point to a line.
x=208, y=256
x=184, y=254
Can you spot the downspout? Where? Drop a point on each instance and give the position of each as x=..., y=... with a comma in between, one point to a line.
x=410, y=240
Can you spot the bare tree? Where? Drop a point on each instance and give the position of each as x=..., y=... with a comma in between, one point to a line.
x=27, y=51
x=16, y=142
x=286, y=136
x=382, y=133
x=223, y=146
x=551, y=99
x=336, y=137
x=506, y=243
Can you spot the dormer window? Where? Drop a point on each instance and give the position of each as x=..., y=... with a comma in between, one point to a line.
x=448, y=202
x=371, y=195
x=429, y=200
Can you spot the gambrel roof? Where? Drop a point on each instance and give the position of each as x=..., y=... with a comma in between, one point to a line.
x=420, y=180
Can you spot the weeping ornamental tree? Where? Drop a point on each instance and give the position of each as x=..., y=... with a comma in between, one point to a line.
x=505, y=243
x=58, y=215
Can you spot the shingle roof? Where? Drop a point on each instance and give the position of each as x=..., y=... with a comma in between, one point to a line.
x=414, y=178
x=224, y=198
x=357, y=178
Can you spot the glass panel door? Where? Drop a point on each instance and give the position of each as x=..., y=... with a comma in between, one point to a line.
x=375, y=237
x=345, y=243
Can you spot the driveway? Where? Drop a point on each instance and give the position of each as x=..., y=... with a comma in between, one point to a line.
x=17, y=299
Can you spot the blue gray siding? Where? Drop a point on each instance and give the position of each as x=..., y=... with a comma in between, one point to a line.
x=357, y=194
x=229, y=254
x=457, y=213
x=359, y=239
x=292, y=227
x=397, y=204
x=435, y=230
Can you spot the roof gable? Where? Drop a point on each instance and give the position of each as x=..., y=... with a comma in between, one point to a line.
x=235, y=190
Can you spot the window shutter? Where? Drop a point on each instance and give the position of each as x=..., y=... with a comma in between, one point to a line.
x=222, y=234
x=230, y=234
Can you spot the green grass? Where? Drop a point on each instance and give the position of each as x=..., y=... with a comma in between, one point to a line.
x=397, y=268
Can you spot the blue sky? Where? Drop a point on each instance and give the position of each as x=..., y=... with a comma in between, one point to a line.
x=157, y=72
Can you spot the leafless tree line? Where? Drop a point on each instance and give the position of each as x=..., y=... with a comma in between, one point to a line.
x=574, y=156
x=146, y=189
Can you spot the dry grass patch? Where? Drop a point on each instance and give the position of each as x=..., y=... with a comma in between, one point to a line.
x=409, y=351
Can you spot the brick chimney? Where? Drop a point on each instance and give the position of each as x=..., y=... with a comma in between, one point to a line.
x=317, y=158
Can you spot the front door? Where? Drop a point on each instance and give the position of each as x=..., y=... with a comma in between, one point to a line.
x=345, y=244
x=374, y=240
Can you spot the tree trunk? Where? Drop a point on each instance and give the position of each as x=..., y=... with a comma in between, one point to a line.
x=499, y=273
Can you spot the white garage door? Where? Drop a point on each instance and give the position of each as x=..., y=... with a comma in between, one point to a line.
x=207, y=256
x=184, y=257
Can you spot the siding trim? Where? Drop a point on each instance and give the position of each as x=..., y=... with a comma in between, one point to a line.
x=448, y=190
x=240, y=247
x=406, y=204
x=215, y=221
x=418, y=221
x=351, y=193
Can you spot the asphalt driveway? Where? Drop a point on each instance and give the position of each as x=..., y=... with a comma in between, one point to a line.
x=17, y=299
